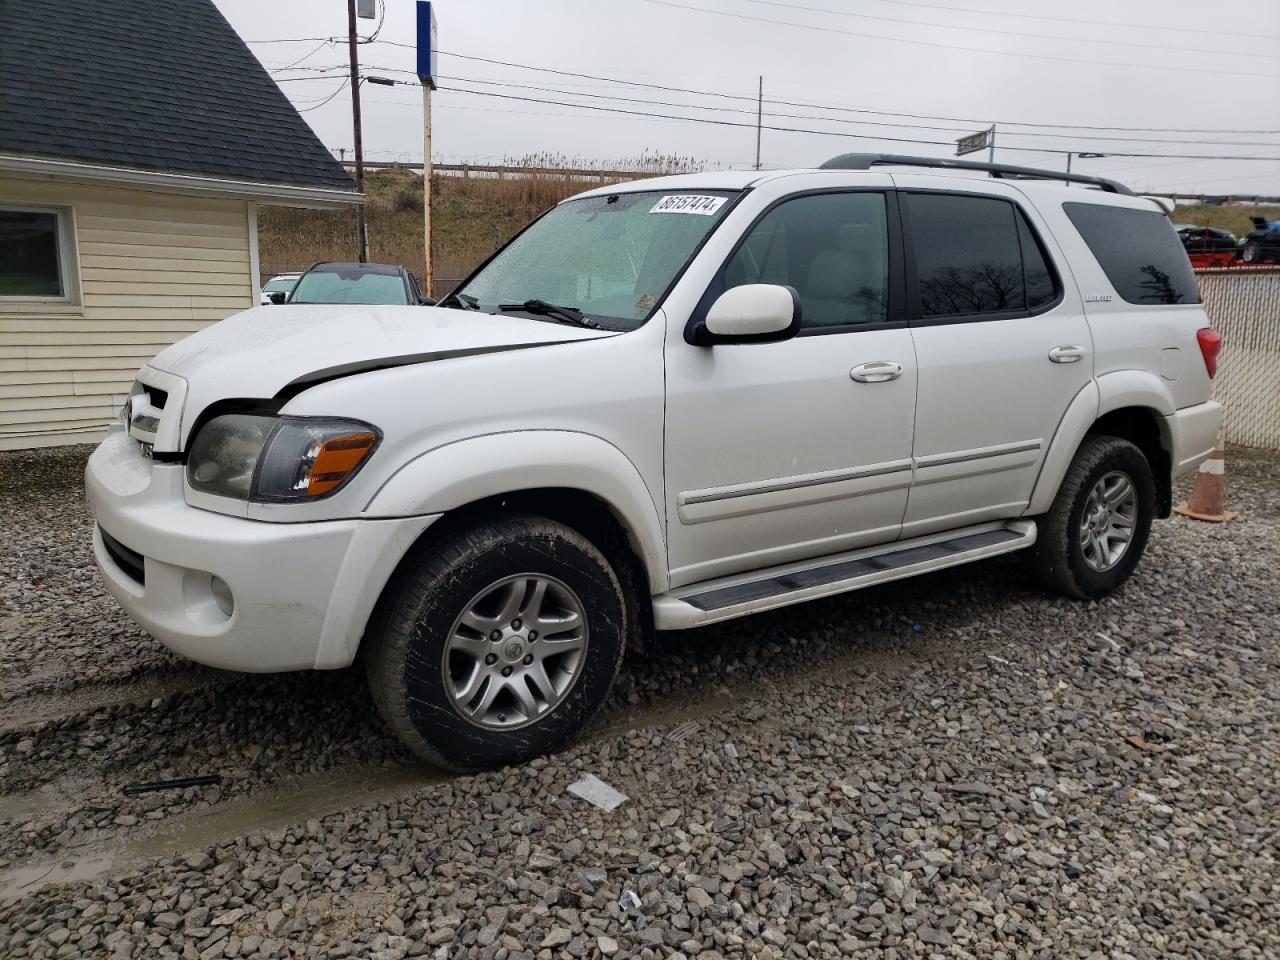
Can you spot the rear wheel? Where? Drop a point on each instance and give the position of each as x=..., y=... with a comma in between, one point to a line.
x=1252, y=252
x=498, y=645
x=1095, y=533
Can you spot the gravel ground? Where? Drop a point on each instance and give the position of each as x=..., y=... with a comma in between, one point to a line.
x=951, y=766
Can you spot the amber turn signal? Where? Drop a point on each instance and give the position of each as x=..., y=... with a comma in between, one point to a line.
x=336, y=459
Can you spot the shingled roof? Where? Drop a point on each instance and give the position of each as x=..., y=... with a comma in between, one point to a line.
x=149, y=84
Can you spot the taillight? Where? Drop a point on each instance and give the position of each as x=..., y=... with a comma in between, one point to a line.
x=1210, y=341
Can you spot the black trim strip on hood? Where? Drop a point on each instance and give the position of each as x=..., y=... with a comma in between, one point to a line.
x=317, y=377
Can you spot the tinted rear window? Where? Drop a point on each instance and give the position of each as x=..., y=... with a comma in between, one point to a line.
x=976, y=255
x=1139, y=251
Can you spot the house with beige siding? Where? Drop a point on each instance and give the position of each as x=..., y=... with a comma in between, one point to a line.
x=137, y=140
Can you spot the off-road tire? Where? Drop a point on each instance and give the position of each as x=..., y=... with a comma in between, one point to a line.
x=1058, y=560
x=407, y=637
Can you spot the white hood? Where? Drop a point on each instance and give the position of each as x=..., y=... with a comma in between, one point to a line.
x=265, y=351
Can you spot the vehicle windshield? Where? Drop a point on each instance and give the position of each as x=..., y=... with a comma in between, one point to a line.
x=349, y=285
x=276, y=284
x=610, y=257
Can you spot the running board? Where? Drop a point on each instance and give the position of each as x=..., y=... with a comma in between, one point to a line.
x=737, y=596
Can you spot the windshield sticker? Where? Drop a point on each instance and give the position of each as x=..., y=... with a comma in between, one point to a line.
x=688, y=203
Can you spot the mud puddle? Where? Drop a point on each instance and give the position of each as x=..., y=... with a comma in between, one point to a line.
x=29, y=712
x=288, y=801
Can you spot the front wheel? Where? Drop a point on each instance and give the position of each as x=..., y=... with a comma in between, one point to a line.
x=1252, y=252
x=1095, y=533
x=498, y=645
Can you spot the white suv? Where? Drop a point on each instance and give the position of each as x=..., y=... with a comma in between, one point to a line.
x=662, y=405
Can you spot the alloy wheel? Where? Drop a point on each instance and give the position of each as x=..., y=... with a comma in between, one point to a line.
x=515, y=651
x=1108, y=520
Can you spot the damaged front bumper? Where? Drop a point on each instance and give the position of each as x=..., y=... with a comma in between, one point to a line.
x=231, y=592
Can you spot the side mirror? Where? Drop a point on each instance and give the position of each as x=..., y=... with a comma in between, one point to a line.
x=426, y=302
x=276, y=296
x=751, y=313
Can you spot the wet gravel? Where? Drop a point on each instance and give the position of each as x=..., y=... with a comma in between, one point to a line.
x=952, y=766
x=58, y=628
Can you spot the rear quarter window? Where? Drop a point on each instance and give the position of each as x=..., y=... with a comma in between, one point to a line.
x=1139, y=251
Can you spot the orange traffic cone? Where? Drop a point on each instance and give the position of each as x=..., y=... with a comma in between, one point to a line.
x=1207, y=495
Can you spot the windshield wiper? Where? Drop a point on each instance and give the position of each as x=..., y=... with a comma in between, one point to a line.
x=460, y=301
x=567, y=314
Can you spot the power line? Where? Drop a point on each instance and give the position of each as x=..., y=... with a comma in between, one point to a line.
x=1005, y=33
x=296, y=79
x=306, y=56
x=825, y=106
x=791, y=116
x=807, y=105
x=293, y=40
x=1003, y=14
x=824, y=133
x=794, y=116
x=953, y=46
x=345, y=83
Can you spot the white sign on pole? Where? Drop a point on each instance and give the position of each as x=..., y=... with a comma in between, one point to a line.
x=367, y=9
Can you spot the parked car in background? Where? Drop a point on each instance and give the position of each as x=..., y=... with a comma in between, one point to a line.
x=1262, y=243
x=1208, y=246
x=666, y=403
x=278, y=288
x=366, y=283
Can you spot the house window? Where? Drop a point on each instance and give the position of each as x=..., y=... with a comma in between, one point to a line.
x=37, y=257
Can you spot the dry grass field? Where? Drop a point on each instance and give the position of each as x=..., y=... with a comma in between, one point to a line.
x=472, y=215
x=475, y=214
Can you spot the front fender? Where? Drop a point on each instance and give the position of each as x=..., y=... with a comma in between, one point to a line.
x=462, y=472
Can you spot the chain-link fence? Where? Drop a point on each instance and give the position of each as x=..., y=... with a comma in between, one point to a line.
x=1244, y=306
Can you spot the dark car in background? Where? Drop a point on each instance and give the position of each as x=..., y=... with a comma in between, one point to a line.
x=1262, y=243
x=1208, y=246
x=366, y=283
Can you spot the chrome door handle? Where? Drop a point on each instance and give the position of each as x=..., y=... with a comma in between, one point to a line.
x=877, y=371
x=1067, y=353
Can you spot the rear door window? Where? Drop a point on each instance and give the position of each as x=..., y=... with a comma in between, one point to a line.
x=1139, y=251
x=975, y=257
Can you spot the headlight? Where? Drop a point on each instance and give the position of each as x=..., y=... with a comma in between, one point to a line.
x=257, y=457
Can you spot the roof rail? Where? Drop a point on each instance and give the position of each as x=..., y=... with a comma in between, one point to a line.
x=865, y=161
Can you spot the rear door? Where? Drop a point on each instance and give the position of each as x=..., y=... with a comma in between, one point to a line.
x=1002, y=348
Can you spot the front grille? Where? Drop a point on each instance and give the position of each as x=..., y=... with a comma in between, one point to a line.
x=129, y=561
x=154, y=411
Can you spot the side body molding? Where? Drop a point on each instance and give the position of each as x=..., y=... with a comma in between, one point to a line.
x=458, y=473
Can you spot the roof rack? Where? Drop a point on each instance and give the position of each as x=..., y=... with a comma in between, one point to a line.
x=865, y=161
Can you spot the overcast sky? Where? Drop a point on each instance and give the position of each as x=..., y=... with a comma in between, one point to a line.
x=1182, y=65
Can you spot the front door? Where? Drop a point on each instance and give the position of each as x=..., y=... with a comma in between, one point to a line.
x=1002, y=346
x=788, y=450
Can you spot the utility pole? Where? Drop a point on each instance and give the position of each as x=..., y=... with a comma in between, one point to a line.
x=1068, y=166
x=362, y=224
x=991, y=156
x=426, y=48
x=759, y=116
x=429, y=273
